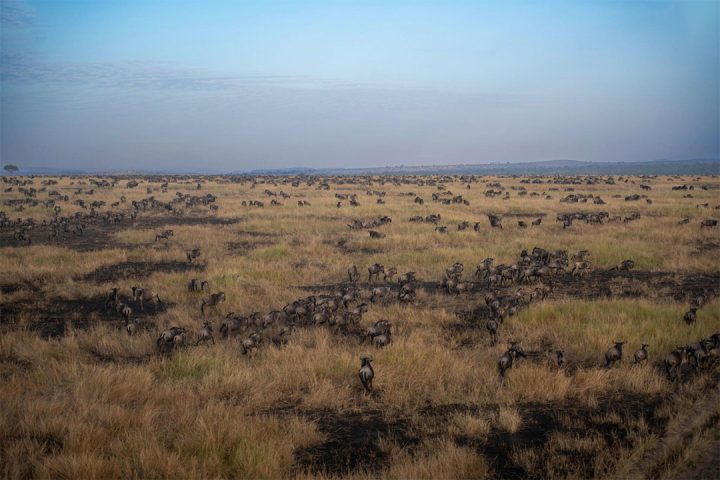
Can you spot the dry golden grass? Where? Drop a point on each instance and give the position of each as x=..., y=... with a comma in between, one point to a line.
x=95, y=403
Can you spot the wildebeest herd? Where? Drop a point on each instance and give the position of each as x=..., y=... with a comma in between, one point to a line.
x=466, y=306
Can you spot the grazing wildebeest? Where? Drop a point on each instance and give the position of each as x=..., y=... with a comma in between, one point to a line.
x=379, y=292
x=641, y=356
x=232, y=324
x=407, y=293
x=143, y=295
x=376, y=234
x=251, y=344
x=378, y=328
x=537, y=221
x=169, y=339
x=492, y=325
x=406, y=278
x=375, y=270
x=506, y=359
x=708, y=223
x=690, y=316
x=205, y=334
x=366, y=373
x=389, y=274
x=212, y=300
x=132, y=327
x=614, y=354
x=522, y=224
x=353, y=274
x=674, y=360
x=625, y=265
x=699, y=352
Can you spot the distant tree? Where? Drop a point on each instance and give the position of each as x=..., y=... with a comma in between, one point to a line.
x=10, y=168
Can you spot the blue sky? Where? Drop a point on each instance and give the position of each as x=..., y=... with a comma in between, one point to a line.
x=230, y=85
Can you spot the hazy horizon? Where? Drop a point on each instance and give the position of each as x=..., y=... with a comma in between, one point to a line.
x=228, y=87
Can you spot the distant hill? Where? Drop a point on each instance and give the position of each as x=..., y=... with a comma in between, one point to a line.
x=699, y=166
x=696, y=166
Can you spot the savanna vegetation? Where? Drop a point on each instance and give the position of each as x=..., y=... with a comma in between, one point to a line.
x=96, y=384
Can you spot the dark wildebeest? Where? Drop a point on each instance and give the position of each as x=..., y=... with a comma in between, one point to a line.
x=205, y=335
x=353, y=274
x=375, y=270
x=212, y=300
x=505, y=362
x=674, y=360
x=641, y=356
x=366, y=373
x=690, y=316
x=614, y=354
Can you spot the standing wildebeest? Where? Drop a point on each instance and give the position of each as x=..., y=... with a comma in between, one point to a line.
x=192, y=255
x=406, y=278
x=366, y=373
x=708, y=223
x=375, y=270
x=146, y=295
x=251, y=344
x=379, y=292
x=641, y=356
x=353, y=274
x=212, y=300
x=674, y=360
x=690, y=316
x=170, y=339
x=205, y=334
x=495, y=221
x=560, y=358
x=113, y=298
x=614, y=354
x=492, y=325
x=505, y=362
x=197, y=286
x=389, y=274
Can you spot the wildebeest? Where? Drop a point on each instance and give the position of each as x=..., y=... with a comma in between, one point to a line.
x=251, y=344
x=495, y=221
x=169, y=339
x=212, y=300
x=378, y=328
x=641, y=356
x=708, y=223
x=614, y=354
x=492, y=325
x=193, y=255
x=205, y=334
x=375, y=270
x=690, y=316
x=353, y=274
x=389, y=274
x=505, y=362
x=143, y=295
x=196, y=286
x=674, y=360
x=560, y=358
x=379, y=292
x=132, y=327
x=366, y=373
x=625, y=265
x=406, y=278
x=376, y=234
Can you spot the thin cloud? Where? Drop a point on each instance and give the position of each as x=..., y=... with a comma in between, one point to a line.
x=16, y=13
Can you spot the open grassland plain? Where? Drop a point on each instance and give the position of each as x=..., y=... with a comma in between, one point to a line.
x=502, y=319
